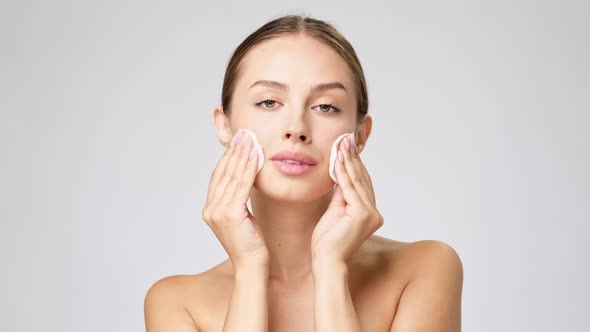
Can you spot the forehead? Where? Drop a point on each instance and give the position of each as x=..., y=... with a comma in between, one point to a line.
x=296, y=60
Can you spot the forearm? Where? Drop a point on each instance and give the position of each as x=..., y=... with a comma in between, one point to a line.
x=333, y=307
x=248, y=306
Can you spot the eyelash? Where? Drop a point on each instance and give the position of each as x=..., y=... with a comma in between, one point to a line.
x=336, y=109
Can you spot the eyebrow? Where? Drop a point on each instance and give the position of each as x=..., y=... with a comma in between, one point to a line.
x=285, y=87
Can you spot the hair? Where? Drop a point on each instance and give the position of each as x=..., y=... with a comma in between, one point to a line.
x=297, y=24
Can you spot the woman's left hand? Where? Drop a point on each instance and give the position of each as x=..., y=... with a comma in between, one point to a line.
x=352, y=216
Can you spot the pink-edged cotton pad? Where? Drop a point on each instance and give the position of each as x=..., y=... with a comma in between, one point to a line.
x=256, y=146
x=334, y=155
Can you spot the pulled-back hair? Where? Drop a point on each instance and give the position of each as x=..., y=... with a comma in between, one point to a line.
x=297, y=24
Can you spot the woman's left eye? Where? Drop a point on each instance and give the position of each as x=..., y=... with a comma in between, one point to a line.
x=327, y=109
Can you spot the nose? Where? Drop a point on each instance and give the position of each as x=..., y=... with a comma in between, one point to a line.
x=297, y=128
x=296, y=135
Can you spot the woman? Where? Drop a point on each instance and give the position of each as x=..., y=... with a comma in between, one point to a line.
x=306, y=258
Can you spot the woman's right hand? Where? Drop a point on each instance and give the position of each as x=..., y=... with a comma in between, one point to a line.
x=226, y=211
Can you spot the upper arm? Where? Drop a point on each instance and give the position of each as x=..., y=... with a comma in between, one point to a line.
x=163, y=310
x=431, y=301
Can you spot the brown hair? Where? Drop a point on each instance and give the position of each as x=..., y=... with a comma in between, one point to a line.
x=291, y=24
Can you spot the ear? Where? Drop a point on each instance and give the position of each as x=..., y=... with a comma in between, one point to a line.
x=363, y=132
x=222, y=126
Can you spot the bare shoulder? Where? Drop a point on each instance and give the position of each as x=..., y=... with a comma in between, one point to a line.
x=164, y=305
x=432, y=274
x=405, y=262
x=183, y=296
x=437, y=259
x=422, y=256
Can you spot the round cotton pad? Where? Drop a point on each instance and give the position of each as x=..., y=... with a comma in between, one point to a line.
x=334, y=155
x=257, y=147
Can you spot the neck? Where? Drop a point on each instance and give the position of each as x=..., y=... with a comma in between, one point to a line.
x=287, y=227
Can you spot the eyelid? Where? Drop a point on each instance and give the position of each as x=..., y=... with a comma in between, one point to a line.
x=335, y=109
x=262, y=101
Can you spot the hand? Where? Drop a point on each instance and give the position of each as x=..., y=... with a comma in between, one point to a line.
x=226, y=211
x=352, y=215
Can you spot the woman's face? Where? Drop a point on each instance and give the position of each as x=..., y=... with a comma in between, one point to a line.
x=293, y=114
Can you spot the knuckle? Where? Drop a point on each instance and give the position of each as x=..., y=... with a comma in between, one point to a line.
x=241, y=184
x=357, y=180
x=354, y=179
x=234, y=177
x=378, y=219
x=222, y=173
x=216, y=217
x=206, y=215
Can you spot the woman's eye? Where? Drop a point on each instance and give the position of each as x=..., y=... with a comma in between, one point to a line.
x=268, y=103
x=325, y=108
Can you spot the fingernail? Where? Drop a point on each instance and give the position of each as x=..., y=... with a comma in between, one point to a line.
x=340, y=156
x=346, y=144
x=253, y=153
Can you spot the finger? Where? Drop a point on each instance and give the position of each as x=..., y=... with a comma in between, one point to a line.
x=221, y=168
x=362, y=170
x=348, y=190
x=238, y=172
x=229, y=170
x=353, y=173
x=247, y=180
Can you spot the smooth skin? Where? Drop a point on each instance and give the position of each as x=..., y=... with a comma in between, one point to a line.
x=306, y=258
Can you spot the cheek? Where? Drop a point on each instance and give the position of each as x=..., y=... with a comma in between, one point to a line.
x=332, y=135
x=326, y=141
x=264, y=136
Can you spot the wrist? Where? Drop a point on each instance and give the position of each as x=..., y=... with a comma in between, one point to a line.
x=257, y=258
x=251, y=264
x=329, y=267
x=251, y=267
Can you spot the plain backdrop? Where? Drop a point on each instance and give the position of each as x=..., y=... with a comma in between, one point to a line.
x=480, y=140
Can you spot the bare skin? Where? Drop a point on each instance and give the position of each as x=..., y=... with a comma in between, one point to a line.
x=283, y=275
x=291, y=305
x=379, y=273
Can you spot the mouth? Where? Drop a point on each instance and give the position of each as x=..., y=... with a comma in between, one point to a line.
x=294, y=157
x=290, y=162
x=292, y=167
x=293, y=162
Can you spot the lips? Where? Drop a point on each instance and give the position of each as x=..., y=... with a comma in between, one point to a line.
x=294, y=157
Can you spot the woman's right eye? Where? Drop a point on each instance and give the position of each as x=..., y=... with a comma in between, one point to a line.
x=268, y=103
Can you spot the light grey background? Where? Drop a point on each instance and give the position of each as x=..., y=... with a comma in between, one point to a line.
x=480, y=140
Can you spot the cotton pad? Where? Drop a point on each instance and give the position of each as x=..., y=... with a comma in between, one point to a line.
x=256, y=146
x=334, y=155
